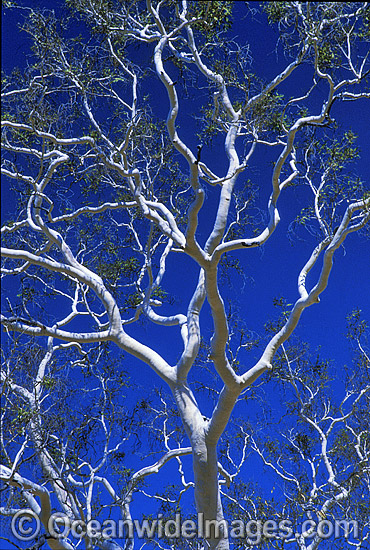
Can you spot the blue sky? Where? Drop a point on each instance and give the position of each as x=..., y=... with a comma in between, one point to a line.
x=272, y=270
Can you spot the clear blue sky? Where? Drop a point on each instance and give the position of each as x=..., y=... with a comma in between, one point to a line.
x=271, y=271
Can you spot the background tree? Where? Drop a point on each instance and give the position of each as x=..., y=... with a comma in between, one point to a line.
x=106, y=204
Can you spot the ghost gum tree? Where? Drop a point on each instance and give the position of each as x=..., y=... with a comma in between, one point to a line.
x=105, y=195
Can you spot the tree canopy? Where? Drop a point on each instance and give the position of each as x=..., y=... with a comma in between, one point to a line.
x=183, y=180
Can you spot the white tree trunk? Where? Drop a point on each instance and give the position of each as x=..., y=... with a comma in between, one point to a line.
x=207, y=496
x=205, y=467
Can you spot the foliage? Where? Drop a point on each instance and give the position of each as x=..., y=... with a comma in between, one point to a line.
x=132, y=321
